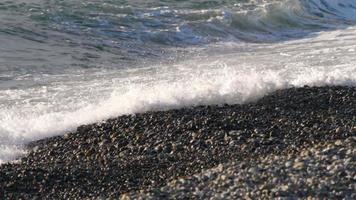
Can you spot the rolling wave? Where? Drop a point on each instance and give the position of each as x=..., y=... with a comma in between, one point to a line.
x=113, y=23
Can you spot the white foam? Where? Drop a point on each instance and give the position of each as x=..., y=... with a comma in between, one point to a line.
x=237, y=74
x=10, y=153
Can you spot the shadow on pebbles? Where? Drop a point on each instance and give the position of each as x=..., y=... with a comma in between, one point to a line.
x=296, y=143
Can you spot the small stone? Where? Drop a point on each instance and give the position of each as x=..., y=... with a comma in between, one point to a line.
x=285, y=188
x=220, y=167
x=253, y=170
x=338, y=142
x=353, y=129
x=35, y=149
x=66, y=136
x=298, y=165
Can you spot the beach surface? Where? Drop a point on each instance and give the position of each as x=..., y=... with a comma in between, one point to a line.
x=297, y=142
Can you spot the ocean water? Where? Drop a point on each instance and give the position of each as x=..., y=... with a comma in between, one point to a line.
x=64, y=63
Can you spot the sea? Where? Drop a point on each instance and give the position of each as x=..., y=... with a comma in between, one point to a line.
x=65, y=63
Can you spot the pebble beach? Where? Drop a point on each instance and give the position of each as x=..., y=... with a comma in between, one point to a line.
x=292, y=143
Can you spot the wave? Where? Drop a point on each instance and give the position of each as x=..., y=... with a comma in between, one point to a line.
x=52, y=35
x=237, y=74
x=226, y=85
x=19, y=126
x=282, y=20
x=102, y=24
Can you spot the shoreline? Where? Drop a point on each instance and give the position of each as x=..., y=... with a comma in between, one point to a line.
x=149, y=151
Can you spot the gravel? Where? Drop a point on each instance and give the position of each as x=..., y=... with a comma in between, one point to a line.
x=324, y=171
x=252, y=150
